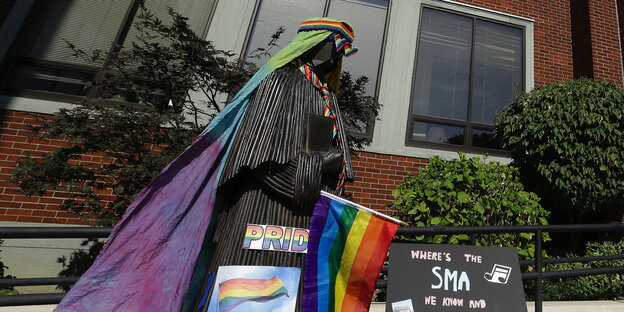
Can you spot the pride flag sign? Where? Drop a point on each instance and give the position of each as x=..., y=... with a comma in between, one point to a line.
x=346, y=250
x=239, y=290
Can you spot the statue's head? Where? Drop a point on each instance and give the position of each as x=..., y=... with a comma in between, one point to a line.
x=326, y=56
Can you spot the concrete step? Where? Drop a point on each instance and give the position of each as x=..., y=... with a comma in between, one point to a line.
x=549, y=306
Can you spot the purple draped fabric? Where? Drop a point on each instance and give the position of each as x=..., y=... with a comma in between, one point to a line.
x=149, y=258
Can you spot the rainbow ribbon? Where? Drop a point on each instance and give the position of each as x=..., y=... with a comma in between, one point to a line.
x=327, y=112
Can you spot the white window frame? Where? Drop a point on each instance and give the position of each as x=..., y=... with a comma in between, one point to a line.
x=398, y=72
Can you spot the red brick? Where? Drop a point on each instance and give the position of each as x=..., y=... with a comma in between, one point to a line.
x=59, y=143
x=78, y=221
x=10, y=204
x=19, y=212
x=46, y=148
x=63, y=214
x=13, y=138
x=29, y=219
x=6, y=197
x=38, y=213
x=27, y=199
x=48, y=200
x=54, y=220
x=33, y=206
x=8, y=218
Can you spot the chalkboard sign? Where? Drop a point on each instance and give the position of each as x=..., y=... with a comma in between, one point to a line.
x=435, y=278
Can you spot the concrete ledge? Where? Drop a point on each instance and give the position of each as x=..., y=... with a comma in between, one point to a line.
x=32, y=308
x=549, y=306
x=579, y=306
x=553, y=306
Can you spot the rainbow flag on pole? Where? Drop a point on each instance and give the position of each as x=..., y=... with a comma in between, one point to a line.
x=238, y=290
x=347, y=246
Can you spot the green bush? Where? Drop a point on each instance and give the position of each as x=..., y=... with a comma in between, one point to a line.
x=566, y=139
x=469, y=191
x=6, y=290
x=79, y=260
x=597, y=287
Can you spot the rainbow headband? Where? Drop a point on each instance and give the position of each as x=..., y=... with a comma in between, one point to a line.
x=343, y=35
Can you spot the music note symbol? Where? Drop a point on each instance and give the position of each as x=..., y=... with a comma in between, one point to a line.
x=499, y=274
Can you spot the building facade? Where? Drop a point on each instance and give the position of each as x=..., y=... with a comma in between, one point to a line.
x=440, y=69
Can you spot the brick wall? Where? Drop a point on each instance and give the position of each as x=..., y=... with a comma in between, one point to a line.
x=607, y=52
x=377, y=175
x=15, y=142
x=620, y=11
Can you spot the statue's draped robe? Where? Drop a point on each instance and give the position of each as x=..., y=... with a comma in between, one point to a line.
x=155, y=255
x=268, y=178
x=266, y=160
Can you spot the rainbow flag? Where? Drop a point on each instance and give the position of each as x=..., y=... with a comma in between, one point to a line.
x=346, y=250
x=238, y=290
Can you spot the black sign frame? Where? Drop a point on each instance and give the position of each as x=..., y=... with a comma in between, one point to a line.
x=450, y=278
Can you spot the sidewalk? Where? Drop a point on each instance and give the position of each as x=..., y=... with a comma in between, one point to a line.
x=549, y=306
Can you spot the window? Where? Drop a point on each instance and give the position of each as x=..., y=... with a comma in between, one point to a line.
x=368, y=18
x=43, y=65
x=467, y=70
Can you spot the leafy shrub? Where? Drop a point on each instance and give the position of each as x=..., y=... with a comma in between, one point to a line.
x=80, y=260
x=566, y=138
x=469, y=191
x=596, y=287
x=6, y=290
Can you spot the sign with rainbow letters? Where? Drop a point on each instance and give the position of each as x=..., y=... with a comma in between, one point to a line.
x=274, y=237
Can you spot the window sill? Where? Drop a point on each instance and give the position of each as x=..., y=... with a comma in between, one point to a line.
x=34, y=104
x=50, y=102
x=458, y=148
x=429, y=152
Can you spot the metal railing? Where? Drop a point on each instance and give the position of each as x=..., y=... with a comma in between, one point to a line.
x=538, y=275
x=44, y=232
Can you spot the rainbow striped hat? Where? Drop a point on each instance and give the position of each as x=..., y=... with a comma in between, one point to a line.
x=342, y=32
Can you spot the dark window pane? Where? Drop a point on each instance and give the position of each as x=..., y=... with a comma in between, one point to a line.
x=90, y=25
x=443, y=65
x=368, y=18
x=484, y=139
x=275, y=13
x=43, y=55
x=42, y=78
x=498, y=71
x=437, y=133
x=197, y=12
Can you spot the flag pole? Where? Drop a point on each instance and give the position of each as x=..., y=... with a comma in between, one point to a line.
x=360, y=207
